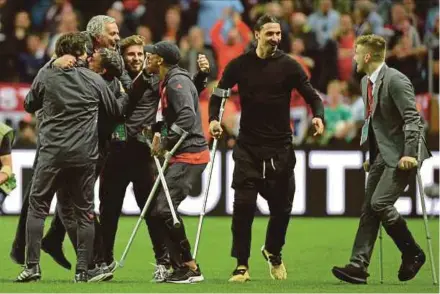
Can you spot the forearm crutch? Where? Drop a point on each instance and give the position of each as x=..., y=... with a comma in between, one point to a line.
x=183, y=134
x=176, y=222
x=224, y=94
x=425, y=217
x=380, y=253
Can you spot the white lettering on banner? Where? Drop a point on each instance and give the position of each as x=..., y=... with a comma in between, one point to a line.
x=335, y=162
x=427, y=175
x=8, y=98
x=299, y=202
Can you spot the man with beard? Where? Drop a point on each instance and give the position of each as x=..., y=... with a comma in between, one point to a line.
x=103, y=33
x=68, y=152
x=264, y=155
x=129, y=158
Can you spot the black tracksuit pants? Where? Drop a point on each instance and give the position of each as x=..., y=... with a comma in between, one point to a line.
x=47, y=180
x=269, y=172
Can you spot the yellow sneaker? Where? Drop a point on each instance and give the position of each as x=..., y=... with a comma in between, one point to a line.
x=277, y=270
x=240, y=275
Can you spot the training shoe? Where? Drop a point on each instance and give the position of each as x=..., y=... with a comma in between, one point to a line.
x=240, y=275
x=161, y=273
x=277, y=270
x=185, y=275
x=411, y=265
x=351, y=274
x=81, y=277
x=109, y=270
x=29, y=274
x=55, y=250
x=96, y=274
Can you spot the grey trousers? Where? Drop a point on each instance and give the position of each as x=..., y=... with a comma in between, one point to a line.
x=48, y=179
x=384, y=186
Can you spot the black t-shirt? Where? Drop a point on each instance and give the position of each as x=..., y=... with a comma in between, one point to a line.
x=5, y=146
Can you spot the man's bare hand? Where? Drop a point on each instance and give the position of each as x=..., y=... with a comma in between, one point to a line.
x=319, y=126
x=366, y=165
x=155, y=145
x=203, y=63
x=407, y=163
x=215, y=129
x=65, y=61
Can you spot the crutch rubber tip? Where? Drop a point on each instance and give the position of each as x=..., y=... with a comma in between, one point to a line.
x=177, y=225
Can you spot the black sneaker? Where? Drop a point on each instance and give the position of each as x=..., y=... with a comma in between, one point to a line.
x=96, y=274
x=161, y=273
x=81, y=277
x=351, y=274
x=185, y=275
x=411, y=265
x=29, y=274
x=109, y=270
x=55, y=250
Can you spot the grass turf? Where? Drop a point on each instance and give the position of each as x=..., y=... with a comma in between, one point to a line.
x=313, y=246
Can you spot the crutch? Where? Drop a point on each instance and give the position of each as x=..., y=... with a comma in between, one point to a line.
x=224, y=94
x=380, y=254
x=183, y=134
x=425, y=217
x=176, y=222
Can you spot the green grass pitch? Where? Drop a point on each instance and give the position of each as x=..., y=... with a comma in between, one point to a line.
x=313, y=246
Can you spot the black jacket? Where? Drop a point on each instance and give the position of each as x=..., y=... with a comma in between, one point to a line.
x=180, y=106
x=69, y=101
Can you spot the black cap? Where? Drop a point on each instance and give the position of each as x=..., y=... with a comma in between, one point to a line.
x=165, y=49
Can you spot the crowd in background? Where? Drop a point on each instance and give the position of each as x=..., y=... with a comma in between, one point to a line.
x=318, y=34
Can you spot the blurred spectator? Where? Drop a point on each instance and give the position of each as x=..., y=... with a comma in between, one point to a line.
x=68, y=24
x=145, y=32
x=297, y=49
x=238, y=39
x=406, y=51
x=356, y=105
x=410, y=8
x=124, y=31
x=337, y=116
x=300, y=29
x=367, y=19
x=30, y=62
x=324, y=21
x=210, y=11
x=56, y=13
x=132, y=11
x=26, y=138
x=173, y=31
x=22, y=25
x=431, y=16
x=431, y=41
x=345, y=38
x=7, y=50
x=193, y=45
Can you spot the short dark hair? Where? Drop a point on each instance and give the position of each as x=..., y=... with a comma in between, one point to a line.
x=71, y=43
x=112, y=62
x=264, y=19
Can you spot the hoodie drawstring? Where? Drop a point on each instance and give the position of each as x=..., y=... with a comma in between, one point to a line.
x=264, y=167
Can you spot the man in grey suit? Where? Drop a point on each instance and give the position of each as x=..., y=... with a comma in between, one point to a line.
x=393, y=127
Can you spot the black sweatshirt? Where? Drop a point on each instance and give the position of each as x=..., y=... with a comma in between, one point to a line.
x=265, y=87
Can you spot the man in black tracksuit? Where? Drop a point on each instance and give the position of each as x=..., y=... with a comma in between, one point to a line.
x=179, y=107
x=68, y=151
x=129, y=158
x=264, y=156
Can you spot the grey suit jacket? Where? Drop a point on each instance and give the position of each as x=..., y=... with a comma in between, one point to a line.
x=395, y=120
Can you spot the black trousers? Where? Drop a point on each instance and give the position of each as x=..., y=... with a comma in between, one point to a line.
x=47, y=180
x=57, y=230
x=385, y=184
x=180, y=178
x=269, y=172
x=127, y=162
